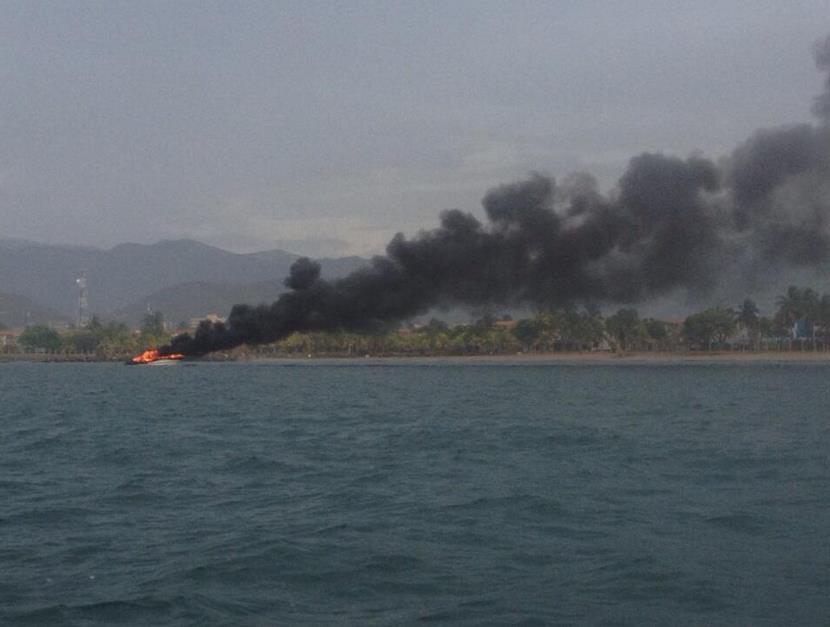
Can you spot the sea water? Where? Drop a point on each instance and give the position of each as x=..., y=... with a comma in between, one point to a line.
x=398, y=493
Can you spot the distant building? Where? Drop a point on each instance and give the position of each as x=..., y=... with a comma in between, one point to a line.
x=9, y=338
x=802, y=329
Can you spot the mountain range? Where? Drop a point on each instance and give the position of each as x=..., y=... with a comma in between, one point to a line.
x=181, y=278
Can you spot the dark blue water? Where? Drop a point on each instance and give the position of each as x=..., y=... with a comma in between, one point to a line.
x=407, y=493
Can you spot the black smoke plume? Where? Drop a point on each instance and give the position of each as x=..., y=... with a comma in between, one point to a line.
x=671, y=224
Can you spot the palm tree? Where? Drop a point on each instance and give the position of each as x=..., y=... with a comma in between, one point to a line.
x=790, y=308
x=790, y=305
x=748, y=318
x=799, y=304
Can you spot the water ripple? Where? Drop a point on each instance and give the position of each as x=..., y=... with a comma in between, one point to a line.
x=400, y=494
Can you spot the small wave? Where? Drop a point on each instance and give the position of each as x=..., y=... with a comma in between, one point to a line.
x=572, y=439
x=393, y=563
x=119, y=456
x=11, y=487
x=134, y=498
x=516, y=502
x=442, y=616
x=46, y=443
x=47, y=515
x=145, y=609
x=255, y=463
x=486, y=614
x=251, y=563
x=740, y=522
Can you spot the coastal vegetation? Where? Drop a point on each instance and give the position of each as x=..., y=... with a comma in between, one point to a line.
x=98, y=340
x=801, y=321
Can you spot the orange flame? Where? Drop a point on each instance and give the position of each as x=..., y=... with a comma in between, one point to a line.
x=149, y=356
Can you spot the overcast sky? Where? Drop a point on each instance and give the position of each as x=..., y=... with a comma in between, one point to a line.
x=326, y=127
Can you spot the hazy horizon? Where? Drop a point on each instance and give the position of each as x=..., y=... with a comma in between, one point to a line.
x=286, y=246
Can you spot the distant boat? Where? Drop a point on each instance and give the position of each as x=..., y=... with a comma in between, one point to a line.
x=153, y=358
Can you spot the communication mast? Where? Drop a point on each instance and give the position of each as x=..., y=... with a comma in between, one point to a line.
x=83, y=305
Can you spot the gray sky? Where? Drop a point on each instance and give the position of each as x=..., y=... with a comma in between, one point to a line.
x=326, y=127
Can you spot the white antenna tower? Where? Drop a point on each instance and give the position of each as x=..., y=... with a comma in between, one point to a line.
x=83, y=305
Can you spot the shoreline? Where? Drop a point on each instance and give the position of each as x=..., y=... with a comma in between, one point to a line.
x=596, y=358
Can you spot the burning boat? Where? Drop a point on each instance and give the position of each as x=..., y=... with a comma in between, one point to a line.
x=152, y=357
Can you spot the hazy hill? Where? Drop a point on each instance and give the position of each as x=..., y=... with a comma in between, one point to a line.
x=184, y=301
x=18, y=311
x=127, y=274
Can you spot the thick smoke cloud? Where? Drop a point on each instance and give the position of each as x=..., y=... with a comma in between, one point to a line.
x=670, y=224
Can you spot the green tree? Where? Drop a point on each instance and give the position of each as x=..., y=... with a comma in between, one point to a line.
x=497, y=340
x=437, y=333
x=591, y=328
x=468, y=339
x=569, y=328
x=40, y=337
x=799, y=304
x=94, y=325
x=548, y=322
x=626, y=328
x=486, y=321
x=296, y=343
x=527, y=332
x=749, y=318
x=810, y=300
x=656, y=329
x=116, y=340
x=710, y=326
x=580, y=329
x=659, y=334
x=84, y=341
x=769, y=327
x=748, y=314
x=794, y=305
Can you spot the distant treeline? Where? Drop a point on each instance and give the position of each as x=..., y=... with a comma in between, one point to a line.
x=104, y=340
x=801, y=321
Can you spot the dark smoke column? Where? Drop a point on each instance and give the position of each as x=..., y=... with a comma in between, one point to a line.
x=671, y=224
